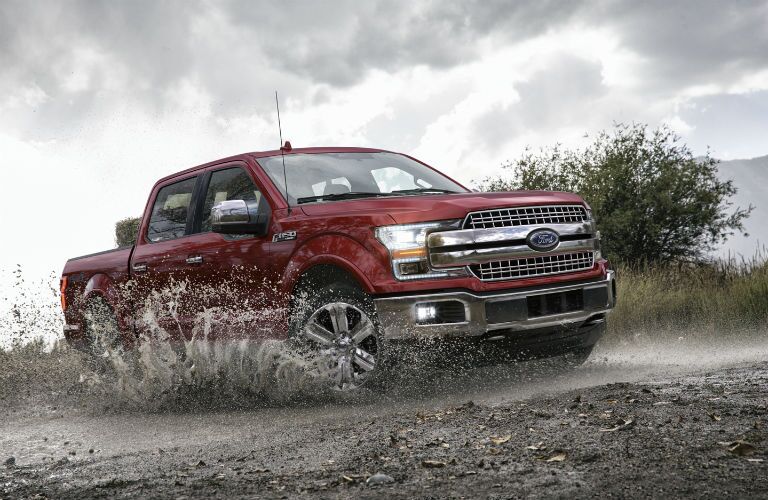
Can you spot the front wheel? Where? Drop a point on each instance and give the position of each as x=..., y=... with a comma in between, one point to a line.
x=337, y=328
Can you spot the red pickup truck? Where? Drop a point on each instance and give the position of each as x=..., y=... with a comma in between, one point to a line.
x=349, y=251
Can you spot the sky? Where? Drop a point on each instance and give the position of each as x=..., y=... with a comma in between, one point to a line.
x=98, y=99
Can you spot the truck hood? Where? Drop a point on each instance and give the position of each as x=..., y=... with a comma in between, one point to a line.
x=423, y=208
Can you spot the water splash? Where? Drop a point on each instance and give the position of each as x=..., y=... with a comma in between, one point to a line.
x=29, y=309
x=165, y=369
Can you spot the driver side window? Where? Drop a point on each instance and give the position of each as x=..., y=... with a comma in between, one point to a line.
x=229, y=184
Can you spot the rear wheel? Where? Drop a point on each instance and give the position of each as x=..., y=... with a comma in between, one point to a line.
x=337, y=328
x=101, y=328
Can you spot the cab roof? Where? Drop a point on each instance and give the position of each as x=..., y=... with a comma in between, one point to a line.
x=275, y=152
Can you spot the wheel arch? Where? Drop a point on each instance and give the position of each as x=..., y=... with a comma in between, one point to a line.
x=320, y=275
x=99, y=286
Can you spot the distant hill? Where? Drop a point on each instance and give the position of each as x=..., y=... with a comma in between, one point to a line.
x=751, y=178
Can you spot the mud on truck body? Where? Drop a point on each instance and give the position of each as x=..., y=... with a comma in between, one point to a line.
x=363, y=250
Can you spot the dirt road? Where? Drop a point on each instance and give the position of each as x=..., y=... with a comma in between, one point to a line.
x=613, y=428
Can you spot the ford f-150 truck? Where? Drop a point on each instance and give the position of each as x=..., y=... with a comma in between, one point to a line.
x=349, y=250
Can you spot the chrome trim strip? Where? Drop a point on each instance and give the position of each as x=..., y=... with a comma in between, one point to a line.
x=500, y=234
x=486, y=255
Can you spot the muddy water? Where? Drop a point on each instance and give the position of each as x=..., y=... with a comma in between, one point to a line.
x=199, y=374
x=55, y=401
x=116, y=416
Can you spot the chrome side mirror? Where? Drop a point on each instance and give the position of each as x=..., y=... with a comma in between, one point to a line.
x=237, y=217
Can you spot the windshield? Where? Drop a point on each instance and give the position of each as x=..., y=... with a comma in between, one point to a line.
x=338, y=176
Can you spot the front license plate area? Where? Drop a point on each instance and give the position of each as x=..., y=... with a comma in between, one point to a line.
x=555, y=303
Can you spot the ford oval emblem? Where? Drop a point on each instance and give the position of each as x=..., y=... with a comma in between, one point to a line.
x=543, y=240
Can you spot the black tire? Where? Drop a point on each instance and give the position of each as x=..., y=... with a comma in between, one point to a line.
x=313, y=330
x=101, y=327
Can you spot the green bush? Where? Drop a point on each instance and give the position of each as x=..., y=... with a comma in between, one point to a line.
x=126, y=231
x=653, y=200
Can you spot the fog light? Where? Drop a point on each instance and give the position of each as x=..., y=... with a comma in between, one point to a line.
x=425, y=313
x=408, y=268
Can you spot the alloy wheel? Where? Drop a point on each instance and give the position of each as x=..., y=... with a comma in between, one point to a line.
x=347, y=344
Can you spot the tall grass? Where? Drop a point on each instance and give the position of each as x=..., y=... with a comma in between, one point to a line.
x=34, y=368
x=715, y=298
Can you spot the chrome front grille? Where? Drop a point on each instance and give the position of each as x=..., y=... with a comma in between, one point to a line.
x=494, y=244
x=534, y=266
x=526, y=216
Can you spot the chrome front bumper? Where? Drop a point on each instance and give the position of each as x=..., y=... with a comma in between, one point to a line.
x=503, y=311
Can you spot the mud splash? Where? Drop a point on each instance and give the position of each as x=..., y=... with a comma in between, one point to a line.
x=29, y=309
x=168, y=370
x=202, y=374
x=38, y=369
x=160, y=376
x=165, y=371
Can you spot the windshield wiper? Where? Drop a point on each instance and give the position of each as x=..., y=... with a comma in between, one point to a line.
x=424, y=190
x=341, y=196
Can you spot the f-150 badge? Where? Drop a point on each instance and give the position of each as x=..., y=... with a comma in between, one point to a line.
x=286, y=236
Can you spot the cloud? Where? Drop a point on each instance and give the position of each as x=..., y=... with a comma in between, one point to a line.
x=721, y=115
x=85, y=54
x=690, y=43
x=104, y=97
x=562, y=94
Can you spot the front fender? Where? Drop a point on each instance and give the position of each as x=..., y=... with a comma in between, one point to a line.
x=339, y=250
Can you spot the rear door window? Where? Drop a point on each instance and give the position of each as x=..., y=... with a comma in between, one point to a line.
x=171, y=210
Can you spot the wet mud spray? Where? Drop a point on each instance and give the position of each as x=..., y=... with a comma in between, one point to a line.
x=160, y=373
x=197, y=373
x=158, y=376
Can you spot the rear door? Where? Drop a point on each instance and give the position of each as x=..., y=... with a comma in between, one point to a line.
x=160, y=269
x=232, y=281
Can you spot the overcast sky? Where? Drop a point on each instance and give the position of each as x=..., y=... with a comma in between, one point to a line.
x=99, y=99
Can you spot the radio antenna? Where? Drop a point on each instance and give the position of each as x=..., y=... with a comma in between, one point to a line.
x=282, y=151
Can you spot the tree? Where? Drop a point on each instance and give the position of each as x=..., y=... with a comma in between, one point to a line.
x=126, y=231
x=653, y=200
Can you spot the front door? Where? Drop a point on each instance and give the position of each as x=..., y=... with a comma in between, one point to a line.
x=231, y=279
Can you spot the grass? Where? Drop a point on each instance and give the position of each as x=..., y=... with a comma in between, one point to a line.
x=724, y=300
x=709, y=299
x=34, y=368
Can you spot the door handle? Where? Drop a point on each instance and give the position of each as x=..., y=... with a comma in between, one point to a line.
x=139, y=268
x=197, y=259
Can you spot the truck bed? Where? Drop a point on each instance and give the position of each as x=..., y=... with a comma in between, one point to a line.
x=111, y=262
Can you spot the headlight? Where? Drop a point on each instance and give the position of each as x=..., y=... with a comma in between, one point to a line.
x=407, y=245
x=598, y=247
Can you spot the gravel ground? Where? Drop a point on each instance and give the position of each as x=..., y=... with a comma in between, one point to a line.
x=691, y=433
